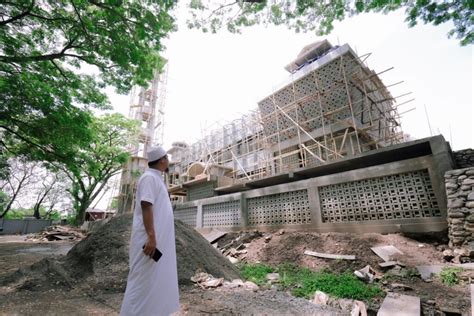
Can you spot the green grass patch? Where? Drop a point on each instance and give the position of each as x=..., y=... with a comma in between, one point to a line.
x=256, y=273
x=450, y=275
x=303, y=282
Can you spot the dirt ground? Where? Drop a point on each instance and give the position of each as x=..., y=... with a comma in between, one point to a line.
x=39, y=289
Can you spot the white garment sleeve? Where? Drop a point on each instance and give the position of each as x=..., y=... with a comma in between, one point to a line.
x=145, y=190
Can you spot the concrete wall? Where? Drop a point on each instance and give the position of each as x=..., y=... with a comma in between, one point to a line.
x=23, y=226
x=460, y=192
x=405, y=195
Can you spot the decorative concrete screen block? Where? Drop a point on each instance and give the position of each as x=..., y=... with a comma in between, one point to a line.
x=221, y=214
x=201, y=191
x=400, y=196
x=287, y=208
x=186, y=215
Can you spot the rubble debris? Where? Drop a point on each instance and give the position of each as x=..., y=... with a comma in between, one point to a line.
x=401, y=286
x=328, y=255
x=448, y=255
x=251, y=286
x=387, y=253
x=205, y=280
x=232, y=259
x=359, y=309
x=273, y=277
x=320, y=298
x=389, y=264
x=213, y=236
x=57, y=233
x=366, y=274
x=401, y=305
x=427, y=271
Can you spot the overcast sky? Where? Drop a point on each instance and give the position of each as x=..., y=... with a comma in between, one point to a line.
x=218, y=77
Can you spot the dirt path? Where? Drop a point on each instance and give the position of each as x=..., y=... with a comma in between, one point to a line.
x=270, y=249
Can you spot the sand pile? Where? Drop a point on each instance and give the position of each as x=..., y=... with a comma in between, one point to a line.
x=100, y=261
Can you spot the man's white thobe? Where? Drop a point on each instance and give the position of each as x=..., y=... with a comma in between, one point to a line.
x=152, y=287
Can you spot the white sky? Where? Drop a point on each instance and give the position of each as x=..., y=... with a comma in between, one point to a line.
x=218, y=77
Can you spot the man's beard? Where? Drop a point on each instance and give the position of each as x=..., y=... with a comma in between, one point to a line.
x=167, y=170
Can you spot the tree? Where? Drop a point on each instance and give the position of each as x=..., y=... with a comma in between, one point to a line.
x=22, y=174
x=92, y=167
x=309, y=15
x=45, y=49
x=50, y=192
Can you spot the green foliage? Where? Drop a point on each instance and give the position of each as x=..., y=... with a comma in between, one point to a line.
x=450, y=275
x=46, y=45
x=319, y=16
x=15, y=214
x=256, y=273
x=91, y=167
x=303, y=282
x=71, y=220
x=4, y=199
x=114, y=204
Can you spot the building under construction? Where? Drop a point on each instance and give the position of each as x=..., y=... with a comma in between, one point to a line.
x=332, y=106
x=146, y=106
x=325, y=151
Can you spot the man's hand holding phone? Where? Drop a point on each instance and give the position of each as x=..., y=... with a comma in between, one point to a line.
x=155, y=254
x=150, y=247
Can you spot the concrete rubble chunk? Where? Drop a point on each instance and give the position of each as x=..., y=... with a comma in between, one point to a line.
x=427, y=271
x=387, y=253
x=251, y=286
x=400, y=305
x=359, y=308
x=320, y=298
x=273, y=276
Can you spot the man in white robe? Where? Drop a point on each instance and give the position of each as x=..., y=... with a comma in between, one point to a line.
x=152, y=287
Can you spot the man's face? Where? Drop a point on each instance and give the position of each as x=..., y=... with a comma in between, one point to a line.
x=163, y=163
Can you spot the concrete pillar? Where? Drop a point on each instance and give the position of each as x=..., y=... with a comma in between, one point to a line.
x=314, y=204
x=199, y=218
x=244, y=215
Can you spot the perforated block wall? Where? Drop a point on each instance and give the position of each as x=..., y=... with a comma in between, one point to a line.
x=201, y=191
x=400, y=196
x=221, y=214
x=287, y=208
x=186, y=215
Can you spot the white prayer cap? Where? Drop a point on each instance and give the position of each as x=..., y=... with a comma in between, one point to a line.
x=155, y=153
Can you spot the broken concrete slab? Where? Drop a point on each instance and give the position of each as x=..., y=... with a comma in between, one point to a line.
x=427, y=271
x=213, y=235
x=387, y=253
x=400, y=305
x=328, y=255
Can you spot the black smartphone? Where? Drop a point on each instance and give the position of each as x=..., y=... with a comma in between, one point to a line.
x=157, y=255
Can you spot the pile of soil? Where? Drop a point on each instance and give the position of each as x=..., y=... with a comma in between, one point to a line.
x=99, y=263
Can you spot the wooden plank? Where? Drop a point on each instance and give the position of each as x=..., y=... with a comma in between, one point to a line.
x=386, y=252
x=328, y=255
x=400, y=305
